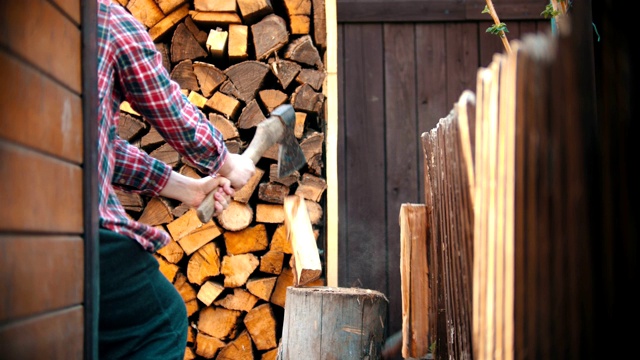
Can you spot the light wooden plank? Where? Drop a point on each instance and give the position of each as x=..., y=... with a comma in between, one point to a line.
x=414, y=272
x=57, y=335
x=330, y=90
x=40, y=273
x=41, y=34
x=38, y=112
x=39, y=193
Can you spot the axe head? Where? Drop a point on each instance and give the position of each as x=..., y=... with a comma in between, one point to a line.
x=290, y=155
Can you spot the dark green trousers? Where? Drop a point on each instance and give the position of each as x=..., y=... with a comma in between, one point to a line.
x=142, y=315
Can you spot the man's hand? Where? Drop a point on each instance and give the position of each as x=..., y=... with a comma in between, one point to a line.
x=192, y=191
x=238, y=169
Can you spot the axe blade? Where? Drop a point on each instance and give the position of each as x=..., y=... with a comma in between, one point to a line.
x=290, y=156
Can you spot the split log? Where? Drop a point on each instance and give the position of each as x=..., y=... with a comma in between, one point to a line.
x=239, y=349
x=280, y=240
x=273, y=192
x=237, y=269
x=187, y=292
x=215, y=5
x=253, y=10
x=151, y=139
x=261, y=325
x=305, y=99
x=301, y=119
x=238, y=42
x=303, y=51
x=197, y=99
x=247, y=78
x=271, y=262
x=271, y=98
x=251, y=115
x=269, y=213
x=184, y=46
x=209, y=77
x=201, y=36
x=217, y=43
x=299, y=12
x=248, y=240
x=241, y=300
x=146, y=11
x=285, y=70
x=156, y=212
x=261, y=287
x=167, y=269
x=215, y=18
x=279, y=294
x=163, y=26
x=311, y=187
x=269, y=35
x=130, y=127
x=166, y=154
x=225, y=126
x=306, y=260
x=208, y=346
x=130, y=201
x=172, y=252
x=204, y=264
x=209, y=291
x=315, y=78
x=184, y=75
x=219, y=322
x=224, y=104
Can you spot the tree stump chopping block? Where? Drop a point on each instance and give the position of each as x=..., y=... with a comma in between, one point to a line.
x=332, y=323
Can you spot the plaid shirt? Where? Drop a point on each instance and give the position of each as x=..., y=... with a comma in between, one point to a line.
x=130, y=68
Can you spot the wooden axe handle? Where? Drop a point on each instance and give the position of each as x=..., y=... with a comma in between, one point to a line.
x=268, y=133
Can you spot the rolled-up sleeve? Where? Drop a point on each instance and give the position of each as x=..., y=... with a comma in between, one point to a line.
x=138, y=172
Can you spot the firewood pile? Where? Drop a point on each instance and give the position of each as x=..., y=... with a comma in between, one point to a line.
x=236, y=61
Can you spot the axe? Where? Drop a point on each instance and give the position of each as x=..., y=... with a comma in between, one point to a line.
x=278, y=128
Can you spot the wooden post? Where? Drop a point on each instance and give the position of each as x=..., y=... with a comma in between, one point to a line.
x=333, y=323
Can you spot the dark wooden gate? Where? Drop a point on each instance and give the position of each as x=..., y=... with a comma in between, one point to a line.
x=401, y=67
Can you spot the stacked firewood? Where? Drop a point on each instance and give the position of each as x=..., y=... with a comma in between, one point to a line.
x=236, y=60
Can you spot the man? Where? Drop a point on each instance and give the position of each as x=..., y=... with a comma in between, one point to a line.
x=142, y=316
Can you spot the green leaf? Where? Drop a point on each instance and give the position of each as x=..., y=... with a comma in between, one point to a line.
x=485, y=10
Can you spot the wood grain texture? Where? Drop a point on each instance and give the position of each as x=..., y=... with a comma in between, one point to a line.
x=55, y=335
x=462, y=59
x=402, y=155
x=341, y=323
x=44, y=115
x=52, y=42
x=430, y=80
x=364, y=131
x=34, y=199
x=446, y=58
x=57, y=263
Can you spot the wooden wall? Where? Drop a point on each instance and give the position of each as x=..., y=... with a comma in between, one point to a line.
x=43, y=308
x=401, y=67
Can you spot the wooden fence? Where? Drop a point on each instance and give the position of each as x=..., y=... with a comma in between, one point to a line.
x=513, y=240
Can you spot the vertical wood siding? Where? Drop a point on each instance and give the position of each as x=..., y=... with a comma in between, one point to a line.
x=396, y=80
